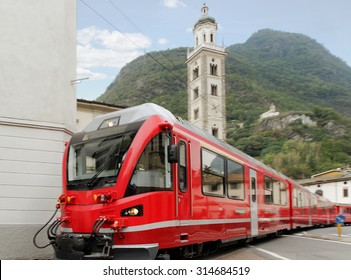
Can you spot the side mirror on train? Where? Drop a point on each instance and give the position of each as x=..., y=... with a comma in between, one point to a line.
x=173, y=155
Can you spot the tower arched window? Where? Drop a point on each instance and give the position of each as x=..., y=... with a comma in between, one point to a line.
x=214, y=91
x=211, y=38
x=195, y=73
x=213, y=69
x=204, y=38
x=215, y=131
x=196, y=113
x=196, y=93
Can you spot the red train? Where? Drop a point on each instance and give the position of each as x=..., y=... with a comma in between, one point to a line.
x=141, y=183
x=345, y=210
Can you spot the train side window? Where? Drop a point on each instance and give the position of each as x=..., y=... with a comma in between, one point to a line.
x=303, y=199
x=268, y=190
x=212, y=173
x=182, y=167
x=295, y=197
x=299, y=201
x=276, y=192
x=235, y=173
x=283, y=194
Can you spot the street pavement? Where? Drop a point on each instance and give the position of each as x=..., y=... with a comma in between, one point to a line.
x=327, y=236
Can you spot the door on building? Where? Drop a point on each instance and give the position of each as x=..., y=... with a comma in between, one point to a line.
x=253, y=203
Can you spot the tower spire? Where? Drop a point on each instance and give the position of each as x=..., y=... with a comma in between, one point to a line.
x=204, y=10
x=206, y=76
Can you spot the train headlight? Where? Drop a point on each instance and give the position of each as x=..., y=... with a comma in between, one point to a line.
x=109, y=123
x=133, y=211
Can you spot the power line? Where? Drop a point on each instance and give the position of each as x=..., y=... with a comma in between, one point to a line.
x=137, y=28
x=148, y=54
x=114, y=27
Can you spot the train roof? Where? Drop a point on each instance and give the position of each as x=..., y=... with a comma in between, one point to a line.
x=144, y=111
x=226, y=146
x=129, y=115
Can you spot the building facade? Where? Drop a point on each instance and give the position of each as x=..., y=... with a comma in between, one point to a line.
x=87, y=110
x=37, y=117
x=206, y=78
x=333, y=184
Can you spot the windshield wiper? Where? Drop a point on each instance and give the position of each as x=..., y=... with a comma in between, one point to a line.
x=90, y=184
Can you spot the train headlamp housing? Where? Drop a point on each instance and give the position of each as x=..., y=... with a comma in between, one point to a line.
x=110, y=123
x=133, y=211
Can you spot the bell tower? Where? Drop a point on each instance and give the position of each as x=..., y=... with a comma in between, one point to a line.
x=206, y=78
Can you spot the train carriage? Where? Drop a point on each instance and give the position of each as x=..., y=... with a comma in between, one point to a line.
x=301, y=205
x=345, y=210
x=141, y=183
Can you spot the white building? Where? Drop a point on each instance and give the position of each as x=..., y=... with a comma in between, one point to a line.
x=270, y=113
x=206, y=78
x=87, y=110
x=333, y=184
x=37, y=116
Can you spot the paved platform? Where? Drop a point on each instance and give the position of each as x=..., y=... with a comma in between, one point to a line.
x=334, y=237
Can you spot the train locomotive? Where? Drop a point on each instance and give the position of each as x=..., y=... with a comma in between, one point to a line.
x=141, y=183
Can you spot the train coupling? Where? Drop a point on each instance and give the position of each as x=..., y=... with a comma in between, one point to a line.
x=77, y=246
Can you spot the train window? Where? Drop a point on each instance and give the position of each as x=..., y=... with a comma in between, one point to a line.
x=96, y=162
x=299, y=200
x=182, y=167
x=152, y=172
x=295, y=197
x=235, y=173
x=283, y=194
x=268, y=190
x=212, y=173
x=274, y=191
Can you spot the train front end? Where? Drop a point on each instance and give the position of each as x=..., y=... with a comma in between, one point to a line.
x=114, y=173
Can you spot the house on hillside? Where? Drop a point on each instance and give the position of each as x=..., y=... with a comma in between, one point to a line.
x=333, y=184
x=272, y=112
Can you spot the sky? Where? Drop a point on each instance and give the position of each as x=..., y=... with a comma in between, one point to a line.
x=111, y=33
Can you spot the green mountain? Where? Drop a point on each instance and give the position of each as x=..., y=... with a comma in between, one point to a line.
x=158, y=77
x=291, y=70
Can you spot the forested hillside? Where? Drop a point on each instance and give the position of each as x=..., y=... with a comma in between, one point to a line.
x=290, y=70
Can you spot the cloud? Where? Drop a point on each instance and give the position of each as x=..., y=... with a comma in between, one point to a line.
x=103, y=48
x=173, y=4
x=162, y=41
x=86, y=73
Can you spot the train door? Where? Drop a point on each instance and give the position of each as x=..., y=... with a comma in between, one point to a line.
x=253, y=203
x=309, y=210
x=184, y=190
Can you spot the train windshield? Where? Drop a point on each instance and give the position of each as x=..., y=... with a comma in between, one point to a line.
x=96, y=163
